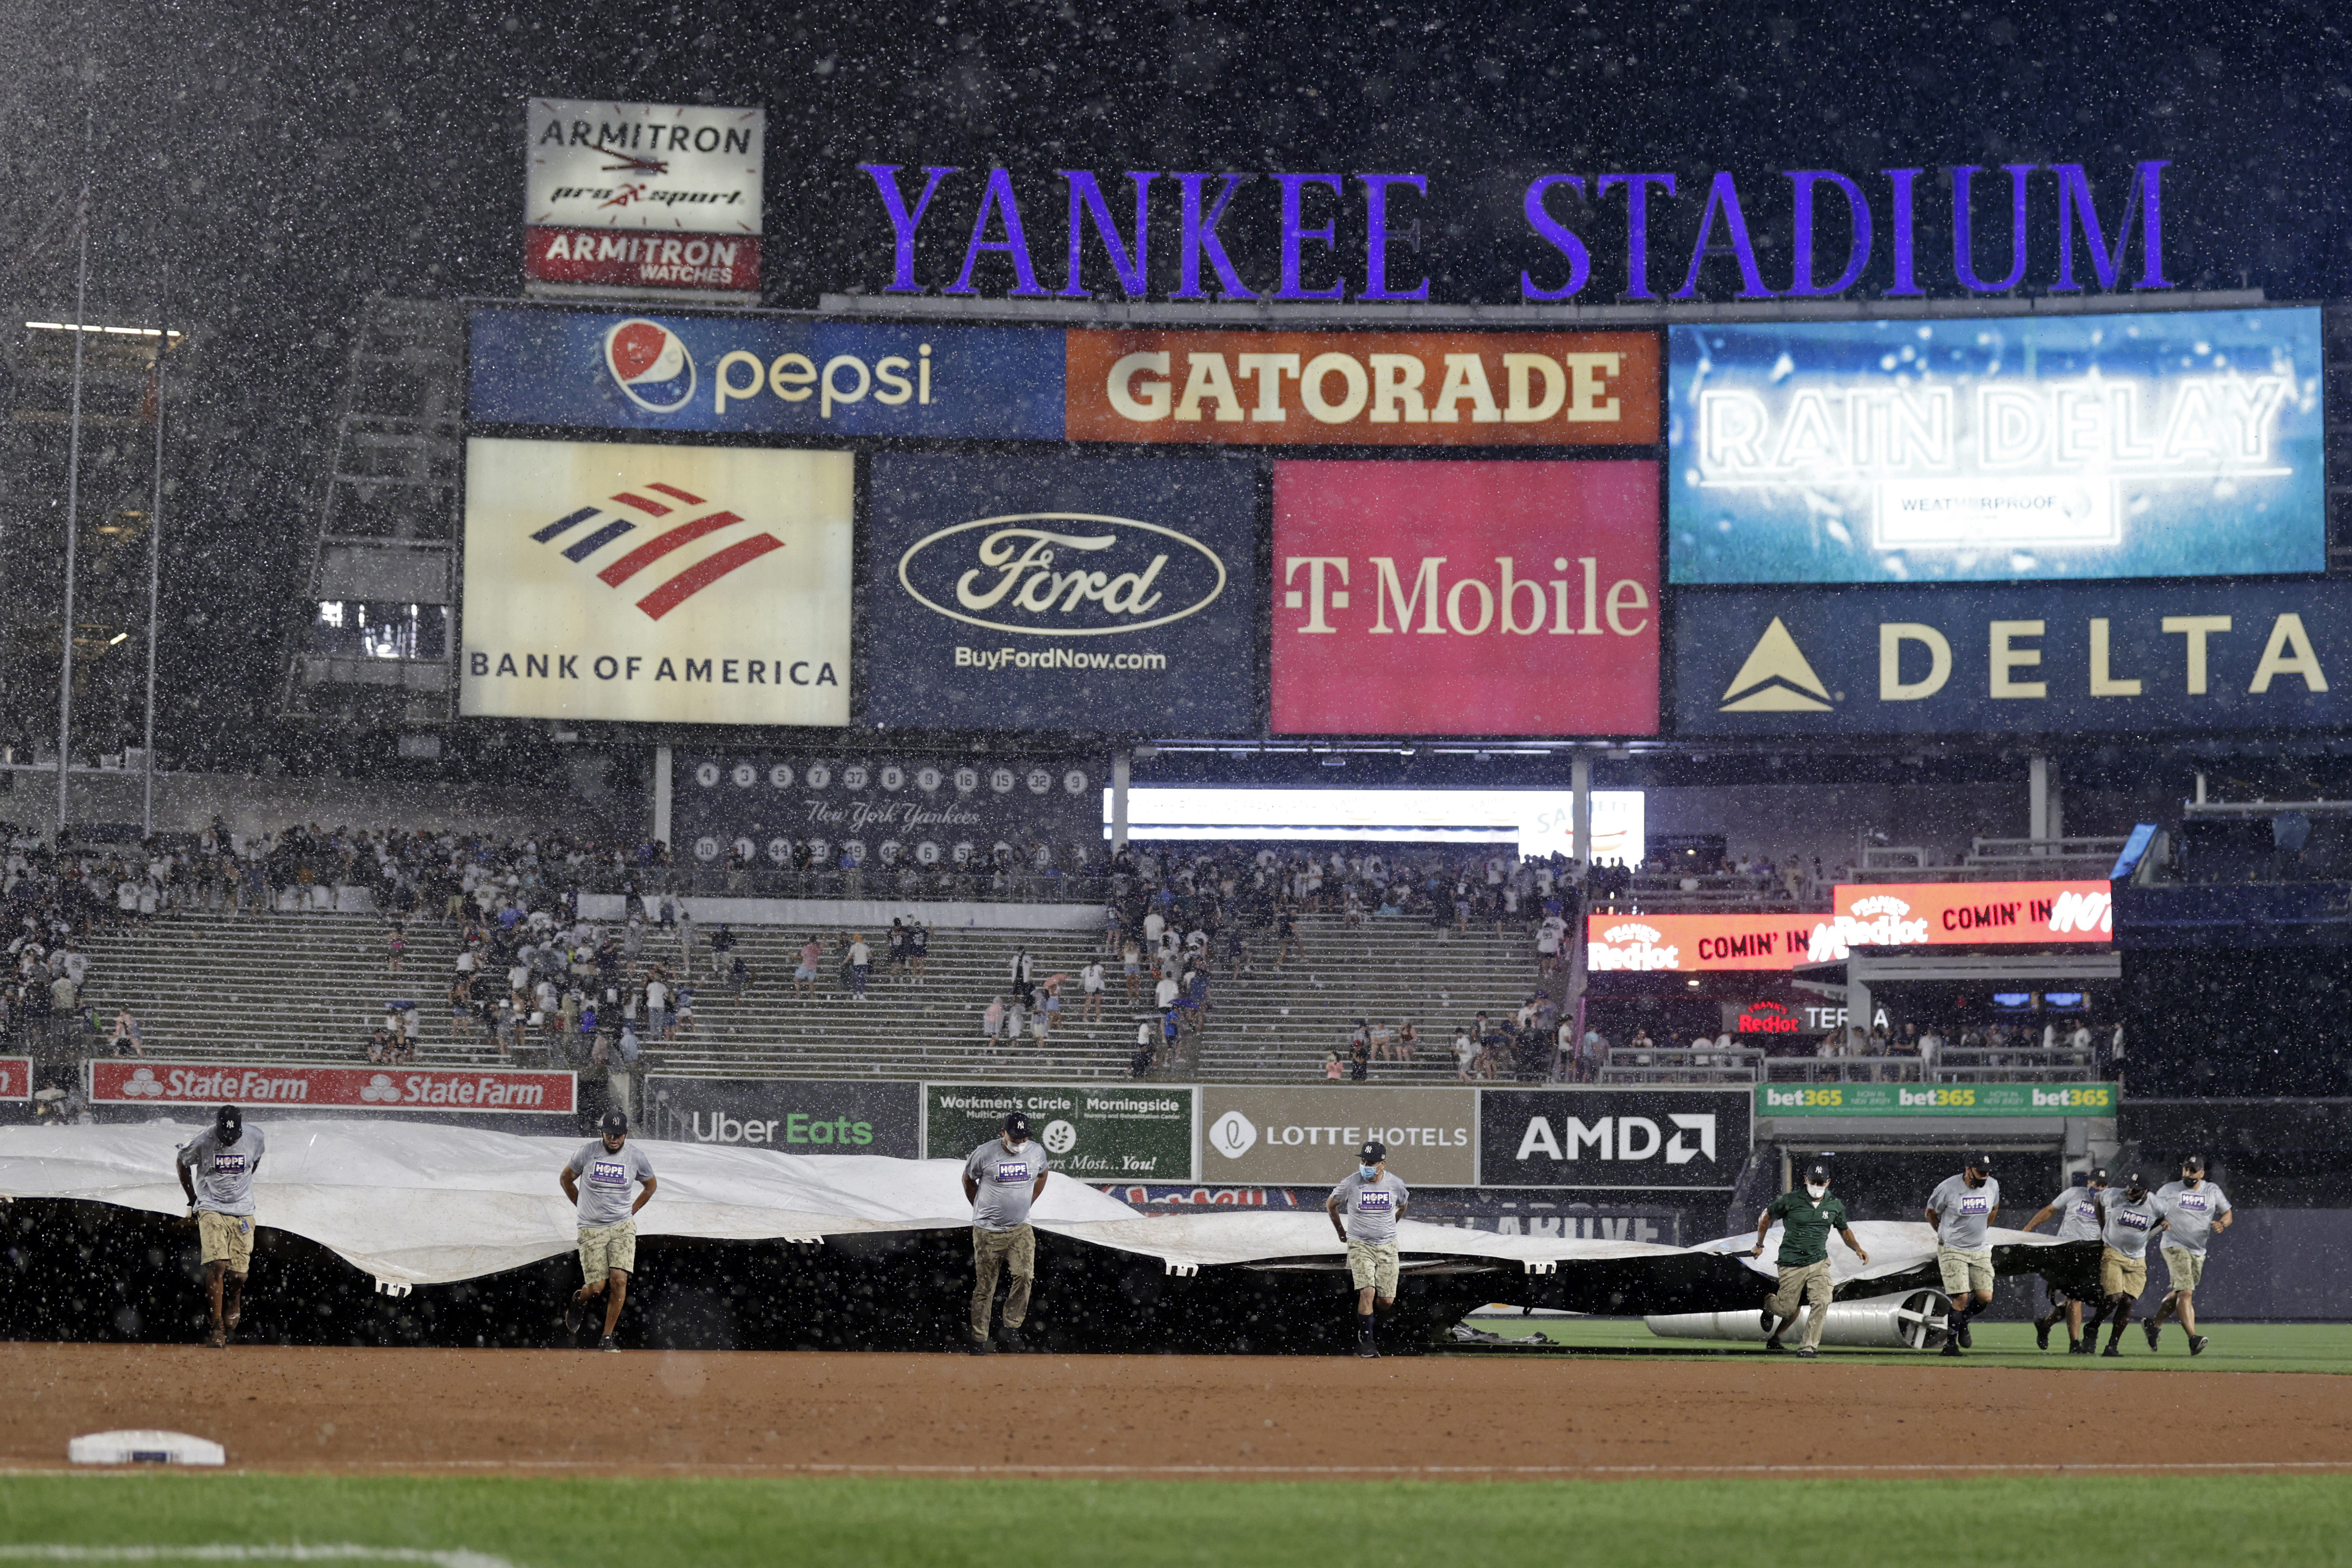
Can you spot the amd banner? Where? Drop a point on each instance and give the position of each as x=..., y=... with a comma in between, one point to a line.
x=885, y=810
x=281, y=1087
x=1027, y=593
x=1686, y=1137
x=791, y=1116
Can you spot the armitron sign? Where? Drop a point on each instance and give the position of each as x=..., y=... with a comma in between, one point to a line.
x=330, y=1089
x=643, y=195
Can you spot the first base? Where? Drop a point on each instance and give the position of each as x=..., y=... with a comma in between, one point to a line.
x=144, y=1449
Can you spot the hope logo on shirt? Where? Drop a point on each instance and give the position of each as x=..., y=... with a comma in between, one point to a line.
x=1975, y=1204
x=2131, y=1221
x=2086, y=1211
x=1012, y=1170
x=229, y=1165
x=1374, y=1200
x=2194, y=1203
x=609, y=1173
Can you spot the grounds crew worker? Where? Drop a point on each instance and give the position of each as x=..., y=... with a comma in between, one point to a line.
x=2129, y=1221
x=216, y=1173
x=608, y=1224
x=1806, y=1219
x=2195, y=1211
x=1373, y=1201
x=2078, y=1207
x=1001, y=1180
x=1962, y=1209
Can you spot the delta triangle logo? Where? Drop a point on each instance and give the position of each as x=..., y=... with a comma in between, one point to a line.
x=1775, y=678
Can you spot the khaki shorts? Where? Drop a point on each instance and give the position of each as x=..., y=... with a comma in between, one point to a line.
x=2186, y=1268
x=227, y=1239
x=2121, y=1276
x=1374, y=1263
x=1964, y=1271
x=604, y=1247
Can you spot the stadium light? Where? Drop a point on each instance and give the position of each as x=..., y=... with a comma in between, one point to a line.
x=118, y=332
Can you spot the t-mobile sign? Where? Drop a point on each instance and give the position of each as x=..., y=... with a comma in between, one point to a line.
x=1465, y=598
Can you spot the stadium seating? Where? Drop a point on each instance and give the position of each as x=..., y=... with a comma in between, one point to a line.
x=308, y=988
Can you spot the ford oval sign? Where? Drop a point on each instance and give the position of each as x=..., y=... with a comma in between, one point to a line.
x=1062, y=574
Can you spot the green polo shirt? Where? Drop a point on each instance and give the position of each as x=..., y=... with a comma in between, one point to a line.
x=1805, y=1239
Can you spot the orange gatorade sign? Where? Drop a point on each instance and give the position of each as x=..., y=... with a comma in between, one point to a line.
x=1364, y=389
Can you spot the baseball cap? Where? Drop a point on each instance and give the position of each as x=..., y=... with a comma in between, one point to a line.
x=1817, y=1172
x=614, y=1123
x=1979, y=1162
x=2193, y=1162
x=2097, y=1178
x=1017, y=1123
x=229, y=1122
x=1373, y=1153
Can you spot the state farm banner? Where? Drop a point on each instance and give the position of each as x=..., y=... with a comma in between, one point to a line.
x=331, y=1088
x=1954, y=914
x=1465, y=598
x=1689, y=1138
x=1033, y=592
x=15, y=1078
x=1685, y=943
x=887, y=809
x=656, y=583
x=1364, y=389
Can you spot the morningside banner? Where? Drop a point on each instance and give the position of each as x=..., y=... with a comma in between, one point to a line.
x=659, y=584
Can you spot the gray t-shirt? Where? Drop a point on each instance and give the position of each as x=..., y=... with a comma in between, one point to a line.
x=2129, y=1225
x=608, y=1181
x=223, y=1172
x=2078, y=1214
x=1963, y=1212
x=1006, y=1178
x=2189, y=1213
x=1371, y=1207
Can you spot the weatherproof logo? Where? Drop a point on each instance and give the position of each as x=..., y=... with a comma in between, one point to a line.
x=618, y=524
x=651, y=366
x=1775, y=678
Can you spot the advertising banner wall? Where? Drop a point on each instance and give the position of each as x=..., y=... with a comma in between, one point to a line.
x=669, y=584
x=1311, y=1134
x=884, y=808
x=2160, y=444
x=208, y=1084
x=1833, y=1100
x=15, y=1078
x=1684, y=944
x=1954, y=914
x=762, y=375
x=1365, y=389
x=2054, y=659
x=1140, y=1132
x=1465, y=598
x=794, y=1116
x=1680, y=1138
x=661, y=167
x=1052, y=591
x=601, y=259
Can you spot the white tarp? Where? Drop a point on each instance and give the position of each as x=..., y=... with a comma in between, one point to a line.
x=421, y=1203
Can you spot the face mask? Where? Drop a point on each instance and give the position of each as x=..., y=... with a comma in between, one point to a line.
x=1370, y=1172
x=1817, y=1192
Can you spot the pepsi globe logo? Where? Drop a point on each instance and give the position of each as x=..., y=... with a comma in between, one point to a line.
x=650, y=364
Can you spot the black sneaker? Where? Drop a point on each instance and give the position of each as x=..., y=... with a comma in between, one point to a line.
x=2111, y=1349
x=1366, y=1349
x=1765, y=1320
x=1951, y=1348
x=2078, y=1347
x=1775, y=1346
x=1806, y=1352
x=571, y=1316
x=977, y=1346
x=2040, y=1335
x=2155, y=1334
x=609, y=1344
x=1008, y=1338
x=2197, y=1343
x=1967, y=1340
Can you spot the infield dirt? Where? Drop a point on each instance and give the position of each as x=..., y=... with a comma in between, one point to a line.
x=422, y=1411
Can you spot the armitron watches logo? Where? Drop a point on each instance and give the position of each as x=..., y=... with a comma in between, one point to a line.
x=1775, y=678
x=621, y=569
x=651, y=366
x=1062, y=574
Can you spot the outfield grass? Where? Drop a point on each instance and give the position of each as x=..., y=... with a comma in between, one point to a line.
x=2078, y=1520
x=2236, y=1347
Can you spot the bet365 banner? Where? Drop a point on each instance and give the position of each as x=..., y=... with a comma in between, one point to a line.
x=1834, y=1099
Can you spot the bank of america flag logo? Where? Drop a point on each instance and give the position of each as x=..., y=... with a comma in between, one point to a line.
x=1775, y=678
x=610, y=522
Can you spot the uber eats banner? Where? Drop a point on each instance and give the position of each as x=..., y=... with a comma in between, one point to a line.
x=1691, y=1138
x=795, y=1116
x=2051, y=657
x=1142, y=1131
x=885, y=809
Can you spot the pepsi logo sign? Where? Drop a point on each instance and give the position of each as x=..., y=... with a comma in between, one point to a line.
x=650, y=364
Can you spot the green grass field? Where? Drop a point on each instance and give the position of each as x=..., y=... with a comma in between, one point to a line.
x=530, y=1523
x=2236, y=1347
